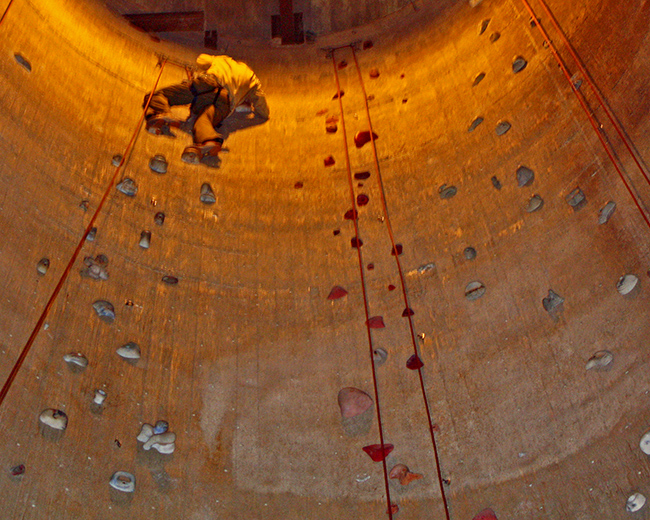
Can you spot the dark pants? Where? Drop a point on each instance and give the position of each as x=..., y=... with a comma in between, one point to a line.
x=209, y=105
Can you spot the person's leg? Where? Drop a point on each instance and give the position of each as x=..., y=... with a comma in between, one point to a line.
x=158, y=118
x=207, y=141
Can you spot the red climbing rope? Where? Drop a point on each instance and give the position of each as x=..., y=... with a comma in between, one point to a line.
x=592, y=120
x=4, y=14
x=39, y=324
x=407, y=308
x=363, y=282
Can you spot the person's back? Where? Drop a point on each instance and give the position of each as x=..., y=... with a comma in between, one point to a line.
x=235, y=76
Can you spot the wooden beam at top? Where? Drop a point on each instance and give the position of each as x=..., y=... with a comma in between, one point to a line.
x=168, y=22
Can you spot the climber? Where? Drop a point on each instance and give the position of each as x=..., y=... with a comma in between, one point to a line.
x=221, y=86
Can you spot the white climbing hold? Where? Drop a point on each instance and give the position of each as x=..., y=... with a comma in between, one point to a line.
x=635, y=502
x=644, y=444
x=626, y=283
x=77, y=359
x=145, y=433
x=129, y=351
x=600, y=360
x=54, y=419
x=123, y=481
x=164, y=442
x=100, y=397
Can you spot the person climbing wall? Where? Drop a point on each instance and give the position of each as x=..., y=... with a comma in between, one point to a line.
x=222, y=86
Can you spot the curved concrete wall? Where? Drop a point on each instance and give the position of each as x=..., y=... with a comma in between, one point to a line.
x=245, y=356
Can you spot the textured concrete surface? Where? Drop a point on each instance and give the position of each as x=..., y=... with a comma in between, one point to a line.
x=245, y=356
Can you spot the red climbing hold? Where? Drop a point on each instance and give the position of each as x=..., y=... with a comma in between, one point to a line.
x=356, y=242
x=342, y=64
x=362, y=199
x=351, y=214
x=414, y=362
x=407, y=312
x=371, y=267
x=329, y=160
x=340, y=93
x=336, y=232
x=376, y=322
x=378, y=452
x=363, y=137
x=486, y=514
x=336, y=293
x=394, y=509
x=298, y=185
x=397, y=249
x=367, y=45
x=391, y=287
x=362, y=176
x=321, y=112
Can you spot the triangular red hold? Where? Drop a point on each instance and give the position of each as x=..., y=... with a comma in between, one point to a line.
x=397, y=249
x=329, y=161
x=356, y=242
x=351, y=214
x=376, y=322
x=407, y=312
x=378, y=452
x=414, y=362
x=336, y=293
x=486, y=514
x=363, y=137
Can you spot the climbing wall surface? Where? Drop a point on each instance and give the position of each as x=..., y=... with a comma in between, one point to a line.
x=279, y=326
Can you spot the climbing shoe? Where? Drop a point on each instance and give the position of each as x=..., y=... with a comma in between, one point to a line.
x=161, y=124
x=206, y=153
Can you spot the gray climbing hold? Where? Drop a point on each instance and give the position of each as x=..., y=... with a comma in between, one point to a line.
x=626, y=284
x=207, y=195
x=23, y=61
x=644, y=443
x=496, y=182
x=123, y=481
x=494, y=37
x=483, y=26
x=100, y=397
x=128, y=187
x=105, y=311
x=145, y=239
x=600, y=360
x=474, y=290
x=77, y=360
x=470, y=253
x=502, y=127
x=159, y=218
x=129, y=351
x=55, y=419
x=92, y=234
x=84, y=204
x=635, y=502
x=447, y=192
x=525, y=176
x=475, y=123
x=95, y=267
x=426, y=268
x=576, y=199
x=379, y=356
x=158, y=164
x=518, y=64
x=42, y=266
x=479, y=77
x=117, y=160
x=552, y=301
x=534, y=203
x=353, y=402
x=170, y=280
x=606, y=212
x=163, y=442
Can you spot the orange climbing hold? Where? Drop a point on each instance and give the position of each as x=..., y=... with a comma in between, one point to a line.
x=363, y=137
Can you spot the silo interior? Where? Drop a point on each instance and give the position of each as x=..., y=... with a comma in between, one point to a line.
x=421, y=290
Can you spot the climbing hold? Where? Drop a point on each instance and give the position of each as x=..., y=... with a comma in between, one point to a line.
x=414, y=362
x=403, y=474
x=163, y=441
x=342, y=64
x=105, y=310
x=55, y=419
x=170, y=280
x=92, y=234
x=405, y=100
x=331, y=128
x=145, y=433
x=470, y=253
x=626, y=284
x=407, y=312
x=370, y=267
x=336, y=232
x=145, y=239
x=375, y=322
x=552, y=301
x=76, y=360
x=207, y=195
x=322, y=111
x=447, y=192
x=495, y=182
x=378, y=452
x=84, y=204
x=95, y=268
x=483, y=26
x=486, y=514
x=494, y=37
x=100, y=397
x=475, y=123
x=374, y=73
x=635, y=502
x=17, y=471
x=362, y=199
x=128, y=303
x=128, y=187
x=129, y=351
x=117, y=160
x=474, y=290
x=339, y=94
x=367, y=44
x=576, y=199
x=525, y=176
x=42, y=266
x=123, y=481
x=159, y=218
x=534, y=203
x=644, y=444
x=336, y=293
x=600, y=360
x=351, y=214
x=371, y=97
x=425, y=268
x=391, y=287
x=606, y=212
x=353, y=402
x=518, y=64
x=21, y=60
x=478, y=79
x=502, y=127
x=362, y=176
x=397, y=250
x=160, y=427
x=362, y=137
x=332, y=119
x=356, y=242
x=379, y=356
x=329, y=161
x=158, y=164
x=298, y=185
